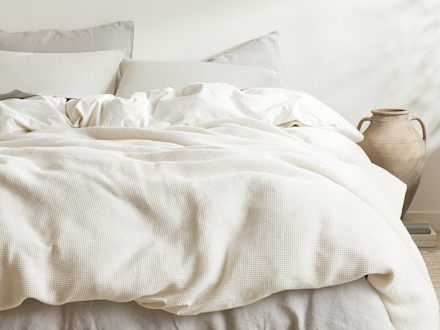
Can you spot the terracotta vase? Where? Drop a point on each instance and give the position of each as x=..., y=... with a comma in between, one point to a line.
x=392, y=143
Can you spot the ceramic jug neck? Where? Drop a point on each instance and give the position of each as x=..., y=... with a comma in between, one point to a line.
x=390, y=114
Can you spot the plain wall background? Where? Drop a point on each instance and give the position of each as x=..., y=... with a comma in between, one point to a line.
x=354, y=55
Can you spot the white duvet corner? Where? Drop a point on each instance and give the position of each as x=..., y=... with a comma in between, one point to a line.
x=31, y=114
x=109, y=110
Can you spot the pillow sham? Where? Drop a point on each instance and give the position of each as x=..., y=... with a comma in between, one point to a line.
x=262, y=52
x=60, y=74
x=117, y=35
x=141, y=76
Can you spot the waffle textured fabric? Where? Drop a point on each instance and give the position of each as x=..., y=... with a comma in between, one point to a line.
x=201, y=217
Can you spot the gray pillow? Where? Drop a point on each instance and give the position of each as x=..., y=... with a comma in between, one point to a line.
x=262, y=52
x=16, y=94
x=118, y=35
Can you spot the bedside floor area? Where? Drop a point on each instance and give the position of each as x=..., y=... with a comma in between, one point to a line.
x=432, y=260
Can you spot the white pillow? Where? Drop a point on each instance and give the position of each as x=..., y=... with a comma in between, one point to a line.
x=142, y=76
x=262, y=52
x=60, y=74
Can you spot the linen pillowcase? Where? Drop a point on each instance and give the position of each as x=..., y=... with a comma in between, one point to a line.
x=141, y=76
x=117, y=35
x=60, y=74
x=262, y=52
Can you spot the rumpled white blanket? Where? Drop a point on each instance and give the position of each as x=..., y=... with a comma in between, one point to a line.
x=180, y=206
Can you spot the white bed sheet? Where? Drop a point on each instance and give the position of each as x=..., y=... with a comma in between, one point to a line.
x=354, y=305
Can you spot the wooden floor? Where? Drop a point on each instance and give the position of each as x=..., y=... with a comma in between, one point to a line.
x=432, y=260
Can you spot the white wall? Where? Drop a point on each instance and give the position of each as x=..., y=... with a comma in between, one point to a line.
x=355, y=55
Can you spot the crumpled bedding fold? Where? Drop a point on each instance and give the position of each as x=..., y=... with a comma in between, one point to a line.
x=194, y=217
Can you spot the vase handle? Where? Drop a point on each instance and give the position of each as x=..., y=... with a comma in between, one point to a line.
x=362, y=121
x=421, y=124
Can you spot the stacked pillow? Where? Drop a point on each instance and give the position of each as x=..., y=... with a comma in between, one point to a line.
x=255, y=63
x=141, y=76
x=76, y=63
x=118, y=35
x=65, y=63
x=65, y=74
x=263, y=52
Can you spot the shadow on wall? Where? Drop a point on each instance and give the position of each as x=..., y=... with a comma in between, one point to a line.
x=410, y=47
x=400, y=68
x=414, y=82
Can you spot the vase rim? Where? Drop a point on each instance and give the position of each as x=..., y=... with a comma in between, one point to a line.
x=390, y=112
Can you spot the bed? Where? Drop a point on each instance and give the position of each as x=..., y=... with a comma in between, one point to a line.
x=207, y=194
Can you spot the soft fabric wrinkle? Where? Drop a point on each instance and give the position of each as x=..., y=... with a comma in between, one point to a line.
x=108, y=110
x=35, y=113
x=203, y=217
x=196, y=103
x=286, y=310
